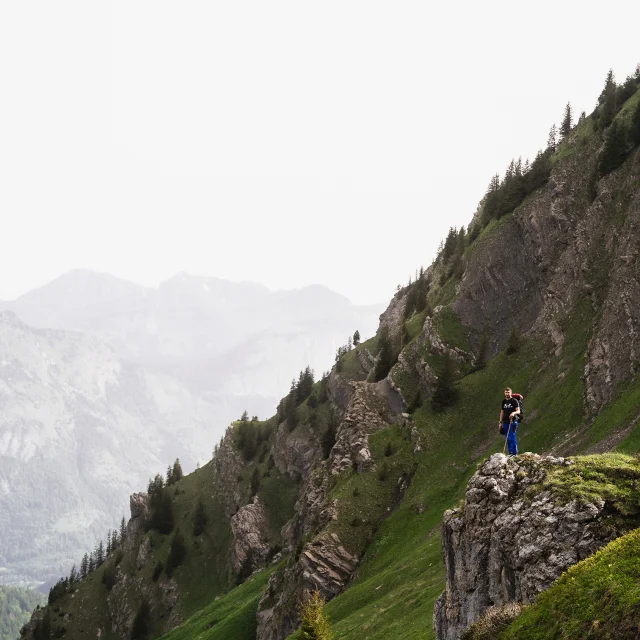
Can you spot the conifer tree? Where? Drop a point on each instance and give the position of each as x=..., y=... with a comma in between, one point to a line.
x=445, y=394
x=315, y=624
x=513, y=343
x=615, y=149
x=168, y=478
x=84, y=565
x=384, y=361
x=99, y=554
x=608, y=101
x=552, y=140
x=141, y=623
x=109, y=549
x=114, y=540
x=73, y=575
x=329, y=436
x=92, y=563
x=255, y=481
x=491, y=201
x=176, y=471
x=177, y=552
x=123, y=530
x=634, y=133
x=450, y=244
x=356, y=338
x=483, y=352
x=199, y=519
x=567, y=121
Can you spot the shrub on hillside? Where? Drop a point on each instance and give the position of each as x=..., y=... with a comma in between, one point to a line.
x=141, y=622
x=177, y=553
x=199, y=519
x=315, y=624
x=445, y=394
x=109, y=577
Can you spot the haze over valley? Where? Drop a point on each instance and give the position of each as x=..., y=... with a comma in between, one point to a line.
x=103, y=383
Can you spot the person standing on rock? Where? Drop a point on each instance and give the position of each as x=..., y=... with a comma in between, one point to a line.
x=508, y=423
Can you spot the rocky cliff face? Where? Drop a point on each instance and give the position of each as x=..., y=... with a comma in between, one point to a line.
x=323, y=562
x=558, y=248
x=511, y=540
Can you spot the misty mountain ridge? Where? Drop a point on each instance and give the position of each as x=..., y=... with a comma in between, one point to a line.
x=186, y=316
x=104, y=382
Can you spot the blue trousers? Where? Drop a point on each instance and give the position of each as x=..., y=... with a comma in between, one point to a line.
x=512, y=442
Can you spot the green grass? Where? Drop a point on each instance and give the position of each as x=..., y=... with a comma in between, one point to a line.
x=450, y=329
x=613, y=477
x=575, y=144
x=414, y=325
x=596, y=598
x=278, y=493
x=231, y=616
x=350, y=368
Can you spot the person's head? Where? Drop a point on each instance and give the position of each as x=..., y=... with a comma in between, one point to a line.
x=507, y=393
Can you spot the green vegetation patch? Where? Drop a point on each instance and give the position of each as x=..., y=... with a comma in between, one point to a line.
x=278, y=493
x=450, y=329
x=350, y=367
x=365, y=498
x=612, y=477
x=16, y=605
x=414, y=325
x=231, y=616
x=596, y=598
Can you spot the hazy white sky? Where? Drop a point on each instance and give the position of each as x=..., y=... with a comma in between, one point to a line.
x=286, y=143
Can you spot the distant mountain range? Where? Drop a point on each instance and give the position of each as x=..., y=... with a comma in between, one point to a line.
x=104, y=382
x=222, y=336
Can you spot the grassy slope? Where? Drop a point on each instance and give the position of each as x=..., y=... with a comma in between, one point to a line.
x=596, y=598
x=199, y=578
x=402, y=572
x=229, y=617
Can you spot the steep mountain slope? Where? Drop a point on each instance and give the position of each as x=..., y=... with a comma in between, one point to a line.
x=79, y=430
x=372, y=481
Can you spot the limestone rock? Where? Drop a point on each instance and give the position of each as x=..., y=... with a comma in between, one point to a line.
x=295, y=452
x=503, y=546
x=143, y=553
x=324, y=565
x=227, y=465
x=249, y=526
x=139, y=507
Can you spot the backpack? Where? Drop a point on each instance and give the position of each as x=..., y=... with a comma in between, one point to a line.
x=520, y=398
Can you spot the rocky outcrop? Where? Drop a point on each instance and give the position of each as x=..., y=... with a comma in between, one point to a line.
x=559, y=248
x=510, y=541
x=614, y=351
x=500, y=287
x=368, y=412
x=139, y=508
x=249, y=527
x=392, y=318
x=323, y=563
x=227, y=466
x=295, y=452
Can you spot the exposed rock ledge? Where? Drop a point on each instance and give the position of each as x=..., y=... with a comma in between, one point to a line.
x=504, y=546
